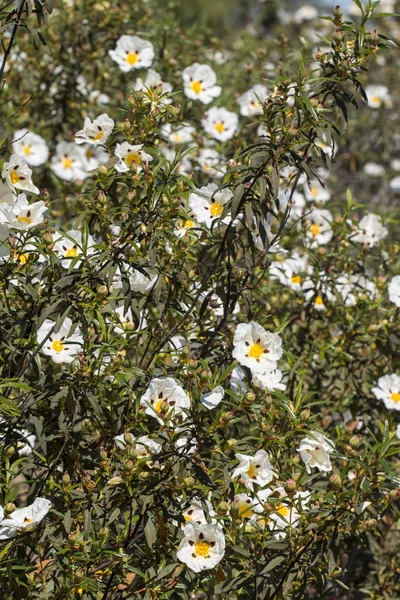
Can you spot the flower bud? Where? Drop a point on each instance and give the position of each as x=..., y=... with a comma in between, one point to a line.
x=371, y=524
x=103, y=169
x=9, y=508
x=9, y=451
x=66, y=479
x=232, y=443
x=290, y=486
x=355, y=441
x=189, y=482
x=335, y=482
x=223, y=507
x=394, y=495
x=102, y=290
x=128, y=437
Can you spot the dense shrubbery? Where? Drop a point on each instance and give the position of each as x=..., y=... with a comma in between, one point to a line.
x=199, y=306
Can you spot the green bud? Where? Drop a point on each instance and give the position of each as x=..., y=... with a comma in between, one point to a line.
x=9, y=508
x=335, y=482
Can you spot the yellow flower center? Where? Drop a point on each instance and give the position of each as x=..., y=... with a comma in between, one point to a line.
x=22, y=258
x=24, y=219
x=375, y=99
x=283, y=510
x=251, y=471
x=296, y=279
x=27, y=520
x=315, y=229
x=187, y=517
x=159, y=405
x=89, y=153
x=177, y=137
x=132, y=158
x=98, y=136
x=71, y=253
x=319, y=301
x=314, y=192
x=395, y=397
x=202, y=549
x=216, y=209
x=57, y=346
x=188, y=224
x=245, y=511
x=67, y=162
x=14, y=177
x=196, y=87
x=132, y=58
x=26, y=150
x=255, y=351
x=220, y=127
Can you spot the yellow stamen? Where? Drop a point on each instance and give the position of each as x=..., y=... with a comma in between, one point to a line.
x=314, y=192
x=188, y=224
x=216, y=209
x=26, y=150
x=319, y=300
x=27, y=520
x=283, y=510
x=375, y=100
x=71, y=253
x=132, y=58
x=196, y=87
x=98, y=136
x=315, y=229
x=296, y=279
x=187, y=517
x=24, y=219
x=255, y=351
x=57, y=346
x=67, y=162
x=132, y=158
x=202, y=549
x=395, y=397
x=14, y=177
x=251, y=471
x=22, y=258
x=220, y=127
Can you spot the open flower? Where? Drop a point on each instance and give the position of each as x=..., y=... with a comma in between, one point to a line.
x=213, y=399
x=377, y=95
x=178, y=135
x=22, y=215
x=60, y=345
x=143, y=444
x=315, y=452
x=131, y=157
x=199, y=83
x=291, y=271
x=208, y=203
x=163, y=398
x=95, y=132
x=18, y=175
x=316, y=192
x=269, y=381
x=256, y=348
x=142, y=281
x=254, y=469
x=132, y=52
x=69, y=162
x=245, y=507
x=24, y=519
x=210, y=163
x=220, y=123
x=394, y=290
x=388, y=390
x=318, y=227
x=71, y=245
x=370, y=231
x=203, y=546
x=32, y=147
x=251, y=101
x=153, y=80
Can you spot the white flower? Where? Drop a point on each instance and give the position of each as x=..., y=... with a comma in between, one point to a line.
x=256, y=348
x=95, y=132
x=220, y=123
x=31, y=146
x=24, y=519
x=208, y=203
x=95, y=156
x=210, y=163
x=153, y=80
x=291, y=271
x=315, y=451
x=69, y=162
x=178, y=135
x=246, y=507
x=214, y=398
x=7, y=195
x=251, y=101
x=388, y=390
x=373, y=169
x=141, y=283
x=22, y=215
x=132, y=52
x=195, y=513
x=130, y=156
x=237, y=381
x=377, y=95
x=394, y=290
x=143, y=444
x=71, y=245
x=203, y=546
x=285, y=513
x=315, y=192
x=199, y=83
x=318, y=228
x=164, y=397
x=254, y=469
x=18, y=175
x=269, y=381
x=60, y=345
x=351, y=286
x=398, y=431
x=370, y=231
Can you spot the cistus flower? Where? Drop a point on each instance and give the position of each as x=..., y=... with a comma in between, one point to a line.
x=203, y=546
x=132, y=52
x=95, y=132
x=394, y=290
x=71, y=245
x=22, y=215
x=318, y=228
x=199, y=83
x=60, y=345
x=254, y=469
x=131, y=157
x=388, y=390
x=23, y=519
x=251, y=102
x=213, y=399
x=18, y=175
x=315, y=450
x=256, y=348
x=220, y=123
x=163, y=398
x=69, y=162
x=377, y=95
x=207, y=204
x=370, y=231
x=31, y=146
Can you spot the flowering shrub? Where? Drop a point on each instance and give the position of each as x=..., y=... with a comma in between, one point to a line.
x=199, y=311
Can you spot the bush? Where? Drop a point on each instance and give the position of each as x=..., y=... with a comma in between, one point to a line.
x=199, y=313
